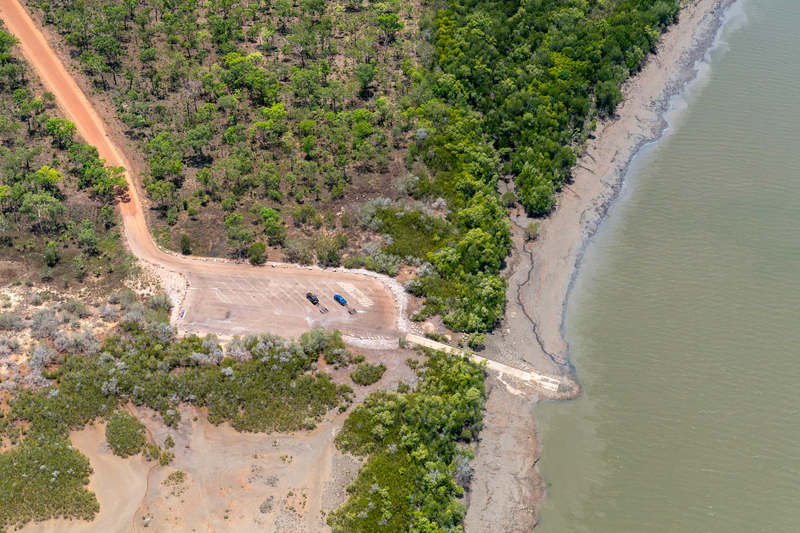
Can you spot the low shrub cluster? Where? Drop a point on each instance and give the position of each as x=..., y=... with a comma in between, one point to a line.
x=413, y=444
x=266, y=383
x=45, y=477
x=367, y=374
x=125, y=434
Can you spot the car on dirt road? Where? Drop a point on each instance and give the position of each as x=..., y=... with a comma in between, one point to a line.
x=341, y=301
x=312, y=298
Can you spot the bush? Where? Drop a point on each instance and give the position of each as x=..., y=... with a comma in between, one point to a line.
x=44, y=324
x=367, y=374
x=299, y=251
x=11, y=321
x=125, y=434
x=44, y=479
x=108, y=312
x=160, y=301
x=256, y=253
x=75, y=307
x=186, y=245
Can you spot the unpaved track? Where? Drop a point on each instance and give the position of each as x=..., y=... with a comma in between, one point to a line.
x=207, y=310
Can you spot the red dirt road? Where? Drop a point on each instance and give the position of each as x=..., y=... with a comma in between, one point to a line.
x=218, y=300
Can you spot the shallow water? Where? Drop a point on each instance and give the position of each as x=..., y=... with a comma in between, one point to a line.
x=684, y=325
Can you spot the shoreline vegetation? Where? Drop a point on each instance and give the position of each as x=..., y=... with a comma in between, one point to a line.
x=541, y=273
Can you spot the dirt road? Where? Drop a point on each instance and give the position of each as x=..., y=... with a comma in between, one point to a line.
x=225, y=298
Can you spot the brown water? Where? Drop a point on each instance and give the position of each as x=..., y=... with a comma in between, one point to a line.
x=684, y=325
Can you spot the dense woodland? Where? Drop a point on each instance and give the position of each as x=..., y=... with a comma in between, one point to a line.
x=56, y=196
x=251, y=108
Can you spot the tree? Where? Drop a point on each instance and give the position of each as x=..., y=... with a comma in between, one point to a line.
x=273, y=229
x=238, y=236
x=46, y=177
x=62, y=131
x=198, y=137
x=160, y=191
x=5, y=225
x=51, y=255
x=41, y=206
x=256, y=253
x=390, y=24
x=186, y=245
x=365, y=73
x=87, y=237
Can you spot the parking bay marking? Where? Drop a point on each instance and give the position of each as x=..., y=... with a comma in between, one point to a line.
x=355, y=293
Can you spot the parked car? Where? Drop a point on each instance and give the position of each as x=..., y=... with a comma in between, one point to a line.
x=340, y=300
x=312, y=298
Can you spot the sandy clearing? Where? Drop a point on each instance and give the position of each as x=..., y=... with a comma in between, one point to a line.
x=229, y=475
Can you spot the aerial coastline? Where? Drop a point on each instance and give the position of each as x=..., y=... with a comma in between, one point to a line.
x=505, y=486
x=541, y=273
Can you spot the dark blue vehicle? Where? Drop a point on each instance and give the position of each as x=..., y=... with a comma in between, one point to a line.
x=340, y=300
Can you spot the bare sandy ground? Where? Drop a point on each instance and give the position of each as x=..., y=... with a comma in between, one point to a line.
x=541, y=273
x=505, y=486
x=234, y=482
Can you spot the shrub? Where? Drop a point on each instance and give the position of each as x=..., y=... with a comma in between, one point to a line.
x=125, y=434
x=11, y=321
x=160, y=301
x=35, y=298
x=75, y=307
x=44, y=479
x=367, y=374
x=42, y=356
x=108, y=312
x=186, y=245
x=256, y=253
x=299, y=251
x=44, y=324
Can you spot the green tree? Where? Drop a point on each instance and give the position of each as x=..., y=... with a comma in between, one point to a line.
x=46, y=177
x=41, y=207
x=186, y=245
x=273, y=229
x=238, y=235
x=160, y=191
x=87, y=237
x=62, y=130
x=256, y=253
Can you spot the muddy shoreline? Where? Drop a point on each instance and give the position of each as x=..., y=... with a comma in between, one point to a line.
x=542, y=273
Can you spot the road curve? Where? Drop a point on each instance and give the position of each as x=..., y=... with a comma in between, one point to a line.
x=378, y=319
